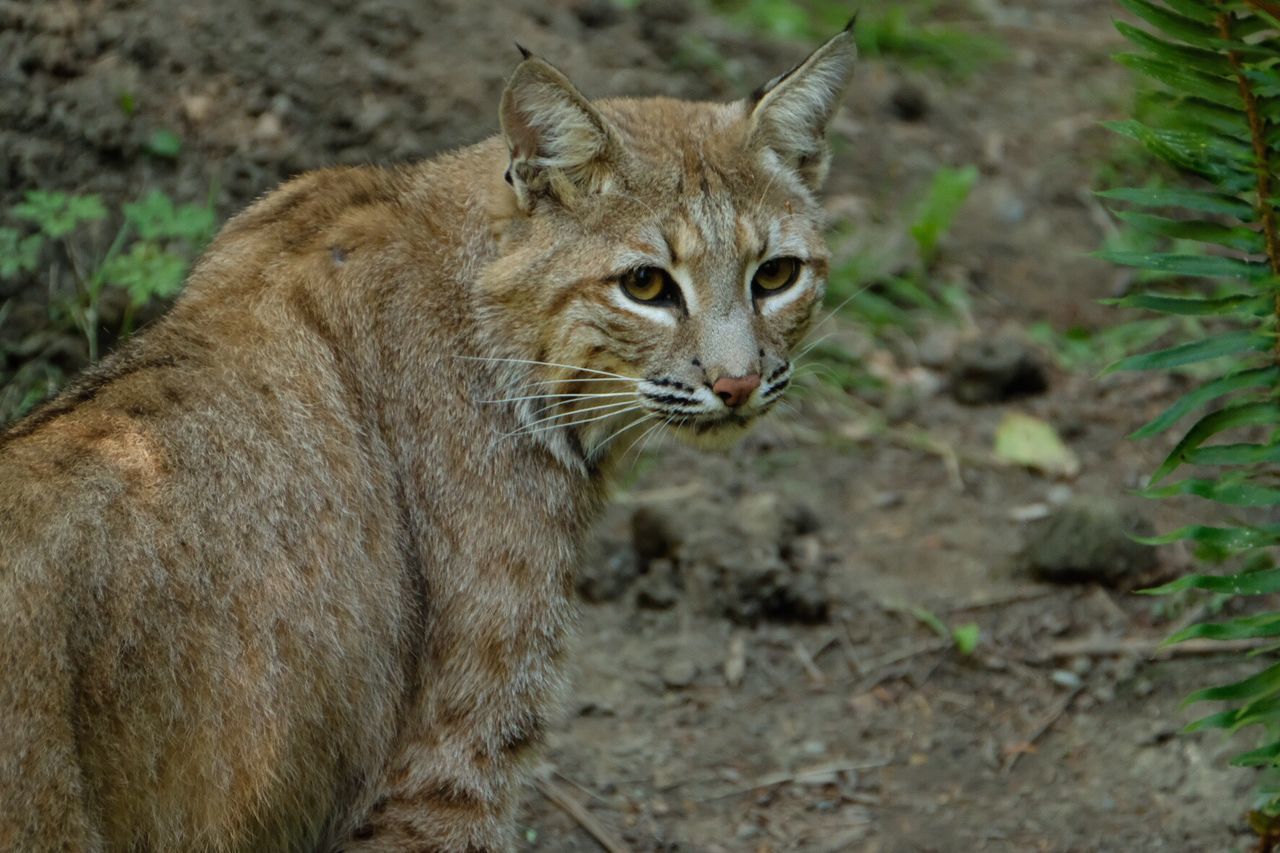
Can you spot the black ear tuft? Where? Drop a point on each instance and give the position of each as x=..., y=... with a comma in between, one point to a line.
x=525, y=53
x=849, y=27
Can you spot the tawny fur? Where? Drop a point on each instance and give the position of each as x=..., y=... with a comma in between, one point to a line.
x=293, y=569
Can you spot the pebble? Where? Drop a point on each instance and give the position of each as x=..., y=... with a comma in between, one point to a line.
x=1089, y=540
x=678, y=673
x=1065, y=678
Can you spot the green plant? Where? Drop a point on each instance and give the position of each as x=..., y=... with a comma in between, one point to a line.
x=885, y=284
x=1218, y=122
x=964, y=638
x=147, y=259
x=884, y=29
x=948, y=192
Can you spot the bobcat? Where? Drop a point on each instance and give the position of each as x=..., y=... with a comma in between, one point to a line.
x=294, y=568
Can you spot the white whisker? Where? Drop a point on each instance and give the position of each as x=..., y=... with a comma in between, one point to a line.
x=643, y=440
x=584, y=379
x=527, y=427
x=809, y=347
x=555, y=396
x=581, y=422
x=605, y=443
x=545, y=364
x=834, y=312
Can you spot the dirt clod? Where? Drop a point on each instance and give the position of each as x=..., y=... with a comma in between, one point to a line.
x=995, y=369
x=753, y=559
x=1089, y=541
x=909, y=102
x=659, y=587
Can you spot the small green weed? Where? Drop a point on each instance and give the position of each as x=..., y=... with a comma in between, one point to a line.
x=889, y=29
x=964, y=638
x=885, y=283
x=147, y=259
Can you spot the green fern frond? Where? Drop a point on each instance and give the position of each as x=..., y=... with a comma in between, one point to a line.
x=1217, y=120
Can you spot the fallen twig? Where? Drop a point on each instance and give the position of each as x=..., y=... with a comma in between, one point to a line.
x=1040, y=730
x=783, y=777
x=1148, y=647
x=907, y=654
x=569, y=804
x=1001, y=600
x=806, y=660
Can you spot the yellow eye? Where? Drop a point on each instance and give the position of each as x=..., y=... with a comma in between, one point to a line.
x=775, y=274
x=649, y=284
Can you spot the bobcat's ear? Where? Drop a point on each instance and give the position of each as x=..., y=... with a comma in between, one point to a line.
x=560, y=144
x=792, y=110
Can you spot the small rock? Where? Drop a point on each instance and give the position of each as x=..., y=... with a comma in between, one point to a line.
x=197, y=108
x=887, y=500
x=804, y=553
x=995, y=369
x=268, y=128
x=679, y=673
x=1030, y=512
x=1065, y=678
x=1088, y=541
x=1059, y=494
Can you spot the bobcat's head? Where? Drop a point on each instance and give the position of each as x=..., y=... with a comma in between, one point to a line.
x=659, y=259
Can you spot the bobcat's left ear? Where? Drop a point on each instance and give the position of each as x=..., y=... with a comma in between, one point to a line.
x=792, y=110
x=560, y=144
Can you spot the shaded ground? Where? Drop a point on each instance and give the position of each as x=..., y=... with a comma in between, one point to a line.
x=703, y=716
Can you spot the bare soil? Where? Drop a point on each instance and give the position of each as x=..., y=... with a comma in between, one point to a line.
x=751, y=676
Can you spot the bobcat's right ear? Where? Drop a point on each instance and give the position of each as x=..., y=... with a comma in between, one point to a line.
x=560, y=144
x=791, y=112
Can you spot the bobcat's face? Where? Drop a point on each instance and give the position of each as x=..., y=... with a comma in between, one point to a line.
x=670, y=253
x=703, y=279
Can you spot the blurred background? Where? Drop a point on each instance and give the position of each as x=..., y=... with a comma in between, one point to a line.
x=898, y=617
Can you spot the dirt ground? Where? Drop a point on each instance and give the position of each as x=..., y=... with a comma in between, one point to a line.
x=752, y=673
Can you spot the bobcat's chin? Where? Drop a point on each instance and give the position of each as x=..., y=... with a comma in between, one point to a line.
x=716, y=433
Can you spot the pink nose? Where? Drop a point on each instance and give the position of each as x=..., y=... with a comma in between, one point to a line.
x=735, y=390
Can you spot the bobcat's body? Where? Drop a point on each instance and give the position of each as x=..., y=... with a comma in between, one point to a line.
x=282, y=574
